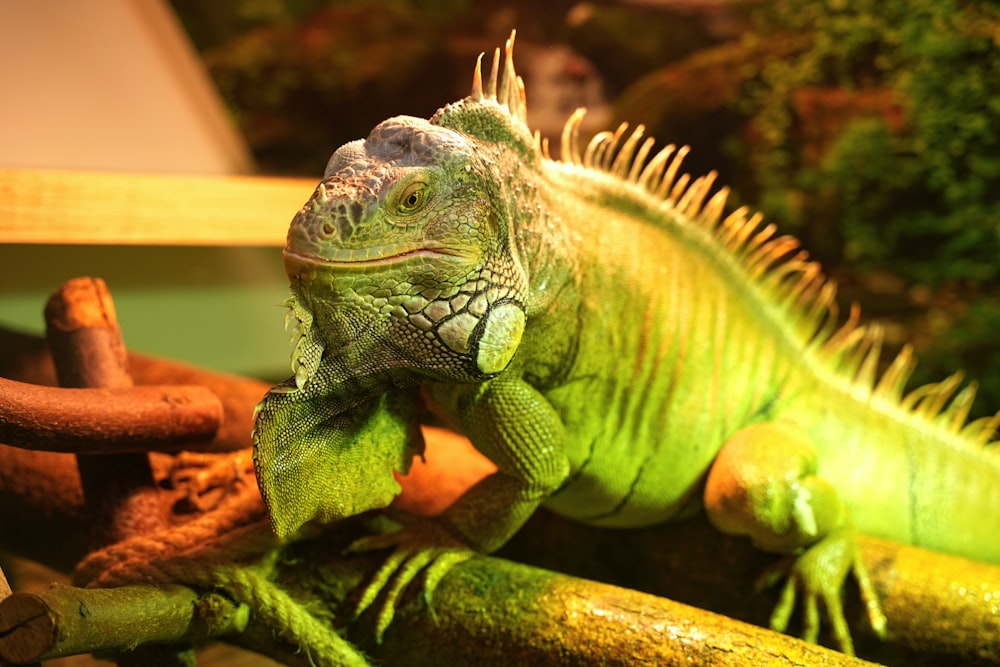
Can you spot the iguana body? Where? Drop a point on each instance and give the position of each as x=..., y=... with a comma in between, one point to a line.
x=620, y=351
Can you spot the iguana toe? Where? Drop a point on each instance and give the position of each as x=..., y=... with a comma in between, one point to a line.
x=422, y=547
x=817, y=576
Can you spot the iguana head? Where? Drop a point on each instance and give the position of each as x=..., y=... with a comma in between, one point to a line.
x=404, y=268
x=403, y=255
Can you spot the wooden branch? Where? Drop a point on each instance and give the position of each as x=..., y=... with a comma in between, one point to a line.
x=65, y=620
x=41, y=484
x=936, y=603
x=535, y=617
x=122, y=499
x=6, y=592
x=26, y=358
x=82, y=329
x=147, y=209
x=941, y=608
x=88, y=351
x=495, y=613
x=107, y=421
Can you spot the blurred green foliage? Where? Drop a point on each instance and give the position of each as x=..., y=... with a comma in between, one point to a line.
x=911, y=173
x=214, y=24
x=302, y=77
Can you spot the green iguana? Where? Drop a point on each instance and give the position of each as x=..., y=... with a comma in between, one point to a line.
x=620, y=349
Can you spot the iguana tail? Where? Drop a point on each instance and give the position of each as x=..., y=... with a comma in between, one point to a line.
x=913, y=472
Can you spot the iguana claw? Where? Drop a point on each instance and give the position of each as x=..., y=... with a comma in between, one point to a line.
x=421, y=547
x=819, y=574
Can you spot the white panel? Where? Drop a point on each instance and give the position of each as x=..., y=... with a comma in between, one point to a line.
x=108, y=84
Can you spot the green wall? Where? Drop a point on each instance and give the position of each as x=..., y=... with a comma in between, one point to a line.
x=214, y=307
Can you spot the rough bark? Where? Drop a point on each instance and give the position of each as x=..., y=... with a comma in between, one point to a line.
x=88, y=351
x=107, y=421
x=26, y=358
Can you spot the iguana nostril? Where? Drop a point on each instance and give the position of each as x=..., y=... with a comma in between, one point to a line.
x=338, y=227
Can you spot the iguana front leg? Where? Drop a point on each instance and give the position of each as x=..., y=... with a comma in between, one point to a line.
x=515, y=427
x=763, y=484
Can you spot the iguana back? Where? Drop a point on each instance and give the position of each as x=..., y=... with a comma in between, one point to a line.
x=695, y=326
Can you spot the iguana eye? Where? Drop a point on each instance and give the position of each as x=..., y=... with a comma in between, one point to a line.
x=412, y=197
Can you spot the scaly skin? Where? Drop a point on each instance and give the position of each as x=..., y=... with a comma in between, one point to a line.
x=620, y=351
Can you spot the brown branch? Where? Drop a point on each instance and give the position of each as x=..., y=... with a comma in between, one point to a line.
x=26, y=358
x=121, y=497
x=936, y=603
x=43, y=486
x=941, y=609
x=239, y=395
x=88, y=351
x=107, y=421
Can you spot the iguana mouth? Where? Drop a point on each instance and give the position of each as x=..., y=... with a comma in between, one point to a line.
x=363, y=257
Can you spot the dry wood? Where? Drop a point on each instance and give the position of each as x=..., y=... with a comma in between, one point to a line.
x=107, y=421
x=494, y=613
x=82, y=330
x=147, y=209
x=43, y=486
x=122, y=499
x=26, y=358
x=938, y=604
x=941, y=609
x=5, y=592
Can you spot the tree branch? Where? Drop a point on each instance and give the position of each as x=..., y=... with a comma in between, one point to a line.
x=88, y=351
x=107, y=421
x=536, y=617
x=26, y=358
x=66, y=620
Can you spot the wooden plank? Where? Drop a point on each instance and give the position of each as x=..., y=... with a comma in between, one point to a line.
x=50, y=206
